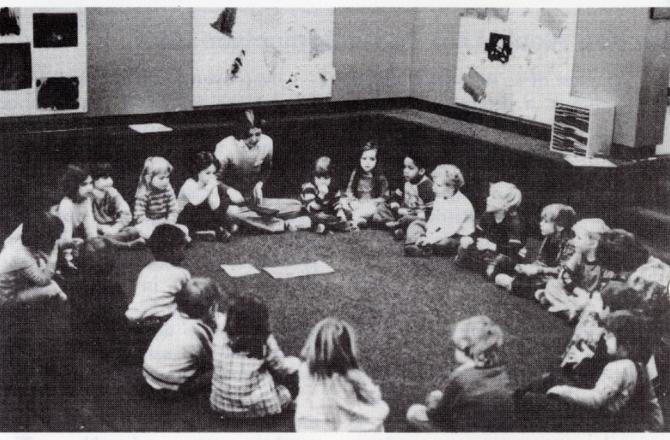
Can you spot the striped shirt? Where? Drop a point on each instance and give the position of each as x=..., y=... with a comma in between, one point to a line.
x=155, y=204
x=111, y=209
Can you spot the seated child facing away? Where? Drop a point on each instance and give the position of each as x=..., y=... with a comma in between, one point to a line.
x=110, y=211
x=452, y=217
x=497, y=245
x=160, y=281
x=478, y=394
x=251, y=377
x=367, y=190
x=335, y=394
x=415, y=200
x=556, y=223
x=321, y=200
x=75, y=208
x=155, y=201
x=179, y=359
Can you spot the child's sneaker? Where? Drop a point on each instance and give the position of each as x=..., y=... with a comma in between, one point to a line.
x=505, y=281
x=398, y=234
x=208, y=235
x=320, y=228
x=392, y=224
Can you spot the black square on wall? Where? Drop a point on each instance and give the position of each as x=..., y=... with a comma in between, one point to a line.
x=15, y=66
x=55, y=30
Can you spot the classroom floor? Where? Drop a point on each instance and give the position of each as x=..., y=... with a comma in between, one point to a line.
x=401, y=308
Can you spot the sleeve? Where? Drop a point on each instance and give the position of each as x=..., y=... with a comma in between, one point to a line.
x=65, y=209
x=90, y=226
x=514, y=237
x=350, y=191
x=266, y=166
x=171, y=201
x=189, y=191
x=383, y=187
x=276, y=358
x=221, y=152
x=441, y=414
x=427, y=196
x=140, y=205
x=483, y=226
x=123, y=216
x=365, y=388
x=308, y=193
x=38, y=275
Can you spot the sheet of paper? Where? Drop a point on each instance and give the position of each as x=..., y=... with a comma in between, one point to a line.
x=299, y=270
x=580, y=161
x=239, y=270
x=154, y=127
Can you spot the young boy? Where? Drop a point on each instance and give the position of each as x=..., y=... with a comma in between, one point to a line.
x=452, y=217
x=321, y=200
x=580, y=275
x=415, y=200
x=498, y=239
x=556, y=222
x=478, y=395
x=181, y=351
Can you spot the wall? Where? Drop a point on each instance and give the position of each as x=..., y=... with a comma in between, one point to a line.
x=141, y=60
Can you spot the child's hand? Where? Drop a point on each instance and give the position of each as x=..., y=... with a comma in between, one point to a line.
x=424, y=241
x=403, y=211
x=556, y=390
x=466, y=242
x=323, y=190
x=235, y=196
x=527, y=269
x=56, y=292
x=434, y=398
x=394, y=205
x=258, y=193
x=484, y=245
x=313, y=205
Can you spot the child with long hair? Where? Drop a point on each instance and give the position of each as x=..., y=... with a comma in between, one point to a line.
x=367, y=189
x=155, y=201
x=75, y=208
x=321, y=199
x=335, y=393
x=252, y=377
x=478, y=394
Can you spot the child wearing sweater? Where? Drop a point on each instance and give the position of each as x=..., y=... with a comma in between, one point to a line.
x=321, y=200
x=478, y=395
x=452, y=217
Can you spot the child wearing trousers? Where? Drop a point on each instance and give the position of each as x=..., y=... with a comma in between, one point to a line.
x=321, y=200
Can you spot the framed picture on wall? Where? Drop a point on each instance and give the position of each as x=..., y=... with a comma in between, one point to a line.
x=659, y=13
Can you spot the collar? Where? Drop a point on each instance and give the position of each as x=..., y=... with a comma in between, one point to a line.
x=417, y=179
x=448, y=197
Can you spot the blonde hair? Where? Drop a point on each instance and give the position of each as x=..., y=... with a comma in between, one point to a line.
x=563, y=215
x=451, y=174
x=507, y=192
x=197, y=296
x=153, y=165
x=480, y=339
x=652, y=276
x=593, y=227
x=330, y=348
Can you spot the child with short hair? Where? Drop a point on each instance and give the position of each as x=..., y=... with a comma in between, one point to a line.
x=75, y=209
x=335, y=393
x=415, y=200
x=556, y=221
x=199, y=204
x=498, y=243
x=321, y=200
x=252, y=377
x=155, y=201
x=452, y=217
x=160, y=281
x=367, y=189
x=478, y=395
x=181, y=351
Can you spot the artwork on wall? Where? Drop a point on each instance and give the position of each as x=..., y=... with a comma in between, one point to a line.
x=517, y=62
x=34, y=80
x=251, y=55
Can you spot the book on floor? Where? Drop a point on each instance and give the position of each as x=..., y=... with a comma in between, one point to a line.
x=299, y=270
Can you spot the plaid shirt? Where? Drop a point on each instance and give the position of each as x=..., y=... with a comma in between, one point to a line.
x=242, y=386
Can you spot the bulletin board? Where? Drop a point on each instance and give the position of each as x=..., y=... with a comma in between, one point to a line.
x=42, y=61
x=517, y=62
x=251, y=55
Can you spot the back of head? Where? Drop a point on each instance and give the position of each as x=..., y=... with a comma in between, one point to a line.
x=74, y=176
x=451, y=174
x=508, y=192
x=562, y=215
x=41, y=230
x=592, y=227
x=245, y=121
x=165, y=240
x=620, y=251
x=201, y=161
x=97, y=258
x=632, y=333
x=197, y=297
x=480, y=339
x=330, y=348
x=417, y=157
x=248, y=325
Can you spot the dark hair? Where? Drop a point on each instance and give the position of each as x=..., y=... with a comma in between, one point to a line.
x=417, y=157
x=245, y=121
x=632, y=332
x=165, y=239
x=618, y=250
x=101, y=169
x=248, y=326
x=376, y=175
x=197, y=296
x=97, y=258
x=72, y=180
x=203, y=160
x=41, y=230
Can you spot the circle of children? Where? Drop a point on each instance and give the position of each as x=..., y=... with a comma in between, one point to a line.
x=602, y=279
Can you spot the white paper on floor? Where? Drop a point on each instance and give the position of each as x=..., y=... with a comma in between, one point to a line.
x=150, y=128
x=299, y=270
x=239, y=270
x=598, y=162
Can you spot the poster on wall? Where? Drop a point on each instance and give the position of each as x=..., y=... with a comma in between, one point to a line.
x=517, y=62
x=252, y=55
x=34, y=80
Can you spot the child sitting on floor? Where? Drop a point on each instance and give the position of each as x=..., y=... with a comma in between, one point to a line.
x=181, y=352
x=477, y=396
x=452, y=217
x=497, y=245
x=321, y=200
x=415, y=200
x=334, y=393
x=75, y=209
x=367, y=189
x=556, y=223
x=252, y=377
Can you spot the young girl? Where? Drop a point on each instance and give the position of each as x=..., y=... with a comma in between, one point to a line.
x=75, y=209
x=155, y=201
x=335, y=394
x=367, y=189
x=321, y=201
x=478, y=394
x=498, y=243
x=199, y=204
x=252, y=377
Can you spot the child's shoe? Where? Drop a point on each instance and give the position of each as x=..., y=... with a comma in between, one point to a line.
x=491, y=271
x=208, y=235
x=412, y=250
x=320, y=228
x=392, y=224
x=505, y=281
x=398, y=234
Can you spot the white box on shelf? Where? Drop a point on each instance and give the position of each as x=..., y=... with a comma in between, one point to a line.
x=582, y=127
